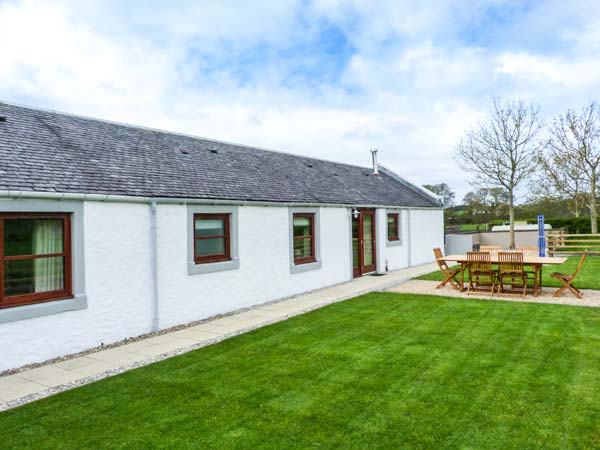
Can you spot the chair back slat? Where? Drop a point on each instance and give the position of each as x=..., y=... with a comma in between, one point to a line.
x=479, y=261
x=579, y=266
x=441, y=264
x=528, y=251
x=510, y=262
x=491, y=249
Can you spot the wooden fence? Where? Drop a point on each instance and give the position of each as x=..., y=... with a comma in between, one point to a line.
x=559, y=242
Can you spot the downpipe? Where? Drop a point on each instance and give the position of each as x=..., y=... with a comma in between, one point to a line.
x=409, y=237
x=154, y=265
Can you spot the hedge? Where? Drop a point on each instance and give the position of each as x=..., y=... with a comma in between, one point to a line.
x=576, y=225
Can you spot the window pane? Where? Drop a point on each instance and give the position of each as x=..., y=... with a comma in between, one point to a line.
x=214, y=246
x=392, y=228
x=33, y=236
x=368, y=240
x=210, y=227
x=302, y=226
x=31, y=276
x=302, y=248
x=355, y=255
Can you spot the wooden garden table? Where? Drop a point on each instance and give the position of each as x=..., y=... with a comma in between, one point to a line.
x=535, y=262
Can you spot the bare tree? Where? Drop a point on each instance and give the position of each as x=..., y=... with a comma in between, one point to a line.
x=562, y=176
x=575, y=138
x=501, y=151
x=485, y=203
x=444, y=191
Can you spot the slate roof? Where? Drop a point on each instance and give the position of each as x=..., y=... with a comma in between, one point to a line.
x=45, y=151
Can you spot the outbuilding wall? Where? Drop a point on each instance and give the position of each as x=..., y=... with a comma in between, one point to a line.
x=119, y=280
x=264, y=263
x=118, y=287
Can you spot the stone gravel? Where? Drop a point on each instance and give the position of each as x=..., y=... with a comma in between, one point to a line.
x=590, y=297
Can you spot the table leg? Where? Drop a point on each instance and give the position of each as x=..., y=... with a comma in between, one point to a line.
x=537, y=279
x=463, y=267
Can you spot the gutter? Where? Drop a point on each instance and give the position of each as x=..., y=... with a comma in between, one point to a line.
x=189, y=201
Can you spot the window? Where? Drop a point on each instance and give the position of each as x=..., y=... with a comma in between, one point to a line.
x=393, y=227
x=304, y=238
x=211, y=238
x=35, y=258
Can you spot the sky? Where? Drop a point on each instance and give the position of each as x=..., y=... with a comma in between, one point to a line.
x=326, y=78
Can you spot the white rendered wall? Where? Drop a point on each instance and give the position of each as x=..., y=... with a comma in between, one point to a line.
x=427, y=232
x=119, y=284
x=264, y=272
x=117, y=265
x=394, y=256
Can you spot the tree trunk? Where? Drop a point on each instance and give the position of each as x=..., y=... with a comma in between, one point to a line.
x=593, y=206
x=511, y=218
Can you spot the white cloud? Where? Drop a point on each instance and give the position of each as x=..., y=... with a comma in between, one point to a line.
x=414, y=79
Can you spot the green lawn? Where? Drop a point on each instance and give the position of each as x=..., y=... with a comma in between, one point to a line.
x=379, y=371
x=588, y=278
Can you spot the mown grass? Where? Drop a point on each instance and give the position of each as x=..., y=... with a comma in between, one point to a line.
x=588, y=278
x=382, y=370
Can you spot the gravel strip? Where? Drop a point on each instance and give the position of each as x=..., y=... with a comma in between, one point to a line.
x=590, y=297
x=141, y=337
x=386, y=286
x=204, y=343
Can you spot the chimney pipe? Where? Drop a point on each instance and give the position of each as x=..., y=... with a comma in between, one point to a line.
x=375, y=165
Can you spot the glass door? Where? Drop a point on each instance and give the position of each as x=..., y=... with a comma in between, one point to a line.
x=363, y=242
x=368, y=241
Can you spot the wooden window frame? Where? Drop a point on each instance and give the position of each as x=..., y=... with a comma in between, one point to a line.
x=219, y=257
x=67, y=255
x=396, y=237
x=305, y=259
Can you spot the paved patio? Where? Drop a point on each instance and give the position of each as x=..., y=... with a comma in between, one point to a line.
x=32, y=384
x=590, y=297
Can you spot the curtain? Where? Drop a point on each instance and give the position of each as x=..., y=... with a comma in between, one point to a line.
x=47, y=239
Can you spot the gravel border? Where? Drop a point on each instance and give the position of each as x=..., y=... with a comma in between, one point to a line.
x=144, y=336
x=183, y=326
x=591, y=298
x=125, y=368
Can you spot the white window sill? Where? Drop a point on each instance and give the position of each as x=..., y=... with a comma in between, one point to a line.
x=396, y=243
x=299, y=268
x=42, y=309
x=197, y=269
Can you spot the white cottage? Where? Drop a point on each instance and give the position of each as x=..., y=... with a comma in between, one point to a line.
x=109, y=231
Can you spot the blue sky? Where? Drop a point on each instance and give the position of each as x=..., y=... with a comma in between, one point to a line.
x=322, y=78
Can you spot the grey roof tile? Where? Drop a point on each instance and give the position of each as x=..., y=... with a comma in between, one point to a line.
x=48, y=151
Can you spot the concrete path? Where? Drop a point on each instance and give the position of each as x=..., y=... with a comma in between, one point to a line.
x=32, y=384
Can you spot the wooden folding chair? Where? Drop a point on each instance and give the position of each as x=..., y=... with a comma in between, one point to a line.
x=567, y=280
x=528, y=251
x=491, y=249
x=449, y=274
x=480, y=271
x=510, y=265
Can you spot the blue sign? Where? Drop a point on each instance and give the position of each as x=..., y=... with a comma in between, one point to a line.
x=541, y=236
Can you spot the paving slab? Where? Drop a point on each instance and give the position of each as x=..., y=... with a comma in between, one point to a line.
x=31, y=384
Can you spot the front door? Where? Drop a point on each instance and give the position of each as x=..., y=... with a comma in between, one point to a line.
x=363, y=242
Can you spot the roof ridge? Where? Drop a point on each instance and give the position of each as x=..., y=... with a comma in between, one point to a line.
x=174, y=133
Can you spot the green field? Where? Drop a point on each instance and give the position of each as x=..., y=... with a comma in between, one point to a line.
x=383, y=370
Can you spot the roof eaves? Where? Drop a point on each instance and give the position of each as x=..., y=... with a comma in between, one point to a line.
x=418, y=189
